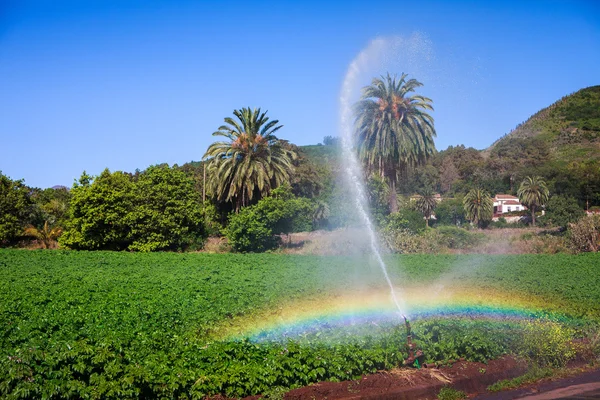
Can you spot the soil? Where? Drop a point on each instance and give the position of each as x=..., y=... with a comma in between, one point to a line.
x=424, y=383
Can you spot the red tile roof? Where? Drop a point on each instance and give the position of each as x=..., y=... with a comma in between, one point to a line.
x=512, y=203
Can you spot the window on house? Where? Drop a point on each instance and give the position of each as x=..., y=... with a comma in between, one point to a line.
x=508, y=208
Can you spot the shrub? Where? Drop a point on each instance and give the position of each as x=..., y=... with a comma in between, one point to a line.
x=448, y=393
x=405, y=219
x=450, y=212
x=457, y=238
x=249, y=232
x=585, y=234
x=547, y=343
x=406, y=242
x=563, y=210
x=254, y=228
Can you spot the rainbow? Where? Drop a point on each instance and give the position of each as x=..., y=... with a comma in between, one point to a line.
x=368, y=311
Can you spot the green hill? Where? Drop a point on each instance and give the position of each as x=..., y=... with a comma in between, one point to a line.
x=570, y=128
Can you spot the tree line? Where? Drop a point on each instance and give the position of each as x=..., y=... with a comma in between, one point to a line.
x=252, y=186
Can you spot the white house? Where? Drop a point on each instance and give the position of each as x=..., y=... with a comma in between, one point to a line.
x=505, y=203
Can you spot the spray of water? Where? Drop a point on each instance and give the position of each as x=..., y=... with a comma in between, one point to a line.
x=370, y=55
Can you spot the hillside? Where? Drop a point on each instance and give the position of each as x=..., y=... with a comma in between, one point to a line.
x=570, y=127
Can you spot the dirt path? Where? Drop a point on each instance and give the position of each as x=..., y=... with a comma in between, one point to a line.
x=410, y=384
x=469, y=377
x=582, y=386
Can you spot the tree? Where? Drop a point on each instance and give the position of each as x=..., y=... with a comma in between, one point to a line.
x=479, y=206
x=448, y=175
x=45, y=235
x=99, y=212
x=255, y=227
x=252, y=161
x=393, y=132
x=159, y=211
x=450, y=211
x=426, y=203
x=533, y=193
x=563, y=210
x=167, y=214
x=16, y=208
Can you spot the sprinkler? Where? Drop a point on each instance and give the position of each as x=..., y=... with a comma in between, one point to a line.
x=415, y=358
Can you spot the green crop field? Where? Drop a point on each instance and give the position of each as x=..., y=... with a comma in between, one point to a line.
x=130, y=325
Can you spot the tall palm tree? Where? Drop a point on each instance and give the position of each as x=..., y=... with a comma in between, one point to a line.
x=533, y=193
x=393, y=131
x=479, y=206
x=426, y=203
x=252, y=160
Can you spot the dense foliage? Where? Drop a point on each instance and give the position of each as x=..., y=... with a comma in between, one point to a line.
x=15, y=208
x=254, y=227
x=127, y=325
x=159, y=210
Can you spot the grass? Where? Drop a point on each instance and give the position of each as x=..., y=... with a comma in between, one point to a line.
x=448, y=393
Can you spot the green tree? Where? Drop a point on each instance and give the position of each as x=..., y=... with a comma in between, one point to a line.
x=53, y=205
x=255, y=227
x=378, y=195
x=533, y=193
x=16, y=208
x=167, y=213
x=479, y=206
x=160, y=210
x=321, y=214
x=393, y=131
x=99, y=212
x=450, y=212
x=251, y=162
x=562, y=211
x=426, y=203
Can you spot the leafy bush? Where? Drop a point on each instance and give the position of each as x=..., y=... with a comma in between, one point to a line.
x=249, y=231
x=254, y=228
x=585, y=234
x=405, y=219
x=456, y=238
x=16, y=208
x=443, y=340
x=450, y=212
x=547, y=343
x=405, y=241
x=157, y=211
x=562, y=211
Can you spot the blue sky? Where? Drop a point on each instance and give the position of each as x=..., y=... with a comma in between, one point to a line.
x=86, y=85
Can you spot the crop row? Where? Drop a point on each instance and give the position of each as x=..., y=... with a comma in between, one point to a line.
x=124, y=325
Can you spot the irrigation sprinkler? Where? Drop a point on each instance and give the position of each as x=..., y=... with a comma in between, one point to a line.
x=415, y=358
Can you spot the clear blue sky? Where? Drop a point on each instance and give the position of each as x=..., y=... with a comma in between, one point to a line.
x=86, y=85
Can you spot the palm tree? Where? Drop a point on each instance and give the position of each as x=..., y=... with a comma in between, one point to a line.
x=426, y=203
x=251, y=162
x=393, y=131
x=479, y=206
x=45, y=235
x=321, y=213
x=533, y=193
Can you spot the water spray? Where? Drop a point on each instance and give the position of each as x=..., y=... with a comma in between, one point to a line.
x=372, y=53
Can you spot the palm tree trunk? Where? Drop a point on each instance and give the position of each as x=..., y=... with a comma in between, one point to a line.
x=393, y=196
x=533, y=215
